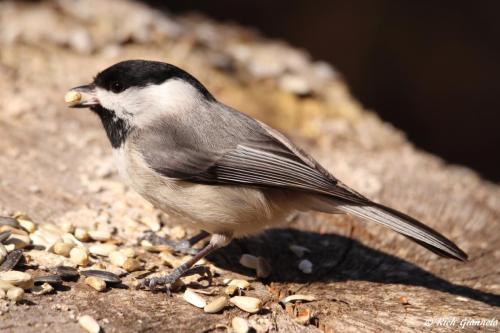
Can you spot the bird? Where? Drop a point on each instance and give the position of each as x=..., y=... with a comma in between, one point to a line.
x=215, y=168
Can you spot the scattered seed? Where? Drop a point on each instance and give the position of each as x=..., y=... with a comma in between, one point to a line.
x=45, y=288
x=117, y=258
x=216, y=305
x=298, y=250
x=132, y=265
x=26, y=223
x=241, y=284
x=89, y=324
x=18, y=241
x=79, y=256
x=106, y=276
x=66, y=272
x=11, y=260
x=4, y=235
x=230, y=290
x=240, y=325
x=194, y=299
x=403, y=300
x=263, y=268
x=249, y=261
x=51, y=279
x=67, y=227
x=100, y=235
x=102, y=249
x=96, y=283
x=297, y=297
x=71, y=239
x=82, y=234
x=62, y=248
x=246, y=303
x=16, y=278
x=15, y=294
x=306, y=266
x=12, y=222
x=3, y=253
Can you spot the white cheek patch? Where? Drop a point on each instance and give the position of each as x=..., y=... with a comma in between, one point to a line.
x=143, y=105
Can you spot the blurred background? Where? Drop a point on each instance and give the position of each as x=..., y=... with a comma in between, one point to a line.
x=429, y=68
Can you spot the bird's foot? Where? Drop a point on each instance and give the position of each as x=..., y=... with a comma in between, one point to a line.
x=166, y=281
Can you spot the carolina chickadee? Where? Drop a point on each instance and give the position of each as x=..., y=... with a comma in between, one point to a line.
x=216, y=168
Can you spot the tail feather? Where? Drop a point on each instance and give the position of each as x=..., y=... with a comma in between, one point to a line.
x=406, y=226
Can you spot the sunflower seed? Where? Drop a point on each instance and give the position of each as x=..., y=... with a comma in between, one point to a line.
x=16, y=278
x=102, y=249
x=216, y=305
x=117, y=258
x=27, y=224
x=106, y=276
x=82, y=234
x=79, y=256
x=241, y=284
x=96, y=283
x=246, y=303
x=51, y=279
x=62, y=249
x=297, y=297
x=132, y=265
x=194, y=299
x=11, y=260
x=17, y=241
x=100, y=235
x=15, y=294
x=240, y=325
x=12, y=222
x=3, y=253
x=66, y=272
x=89, y=324
x=42, y=290
x=4, y=235
x=68, y=227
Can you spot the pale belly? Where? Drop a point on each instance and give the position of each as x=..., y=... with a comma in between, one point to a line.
x=231, y=210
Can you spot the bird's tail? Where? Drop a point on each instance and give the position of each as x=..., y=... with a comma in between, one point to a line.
x=406, y=226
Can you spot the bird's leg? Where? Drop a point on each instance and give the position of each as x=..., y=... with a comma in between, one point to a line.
x=184, y=246
x=216, y=242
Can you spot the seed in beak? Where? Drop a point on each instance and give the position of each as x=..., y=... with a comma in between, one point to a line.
x=72, y=97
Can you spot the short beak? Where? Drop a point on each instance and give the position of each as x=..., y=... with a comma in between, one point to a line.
x=82, y=97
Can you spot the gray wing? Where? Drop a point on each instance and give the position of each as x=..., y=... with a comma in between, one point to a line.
x=229, y=148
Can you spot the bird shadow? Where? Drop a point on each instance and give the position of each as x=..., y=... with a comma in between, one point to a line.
x=335, y=258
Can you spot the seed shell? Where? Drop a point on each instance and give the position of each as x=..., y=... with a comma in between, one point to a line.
x=50, y=279
x=194, y=299
x=106, y=276
x=11, y=260
x=66, y=272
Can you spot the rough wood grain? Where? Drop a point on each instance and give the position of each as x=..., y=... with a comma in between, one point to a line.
x=361, y=271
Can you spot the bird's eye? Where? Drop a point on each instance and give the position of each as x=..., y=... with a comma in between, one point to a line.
x=116, y=87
